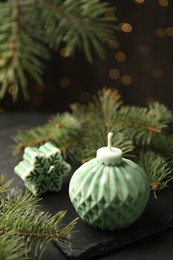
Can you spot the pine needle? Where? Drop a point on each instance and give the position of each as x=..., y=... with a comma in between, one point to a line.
x=26, y=42
x=157, y=169
x=12, y=248
x=22, y=220
x=4, y=183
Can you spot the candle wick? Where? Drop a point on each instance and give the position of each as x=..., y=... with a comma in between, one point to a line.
x=110, y=134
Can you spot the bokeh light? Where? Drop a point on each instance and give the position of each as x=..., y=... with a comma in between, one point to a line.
x=40, y=88
x=120, y=56
x=157, y=73
x=126, y=80
x=126, y=27
x=114, y=73
x=169, y=31
x=160, y=32
x=65, y=82
x=139, y=1
x=164, y=3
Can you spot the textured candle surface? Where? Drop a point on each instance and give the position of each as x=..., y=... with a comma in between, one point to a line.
x=109, y=196
x=42, y=169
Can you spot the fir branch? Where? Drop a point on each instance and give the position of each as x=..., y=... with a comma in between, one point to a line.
x=26, y=42
x=61, y=129
x=160, y=112
x=70, y=132
x=4, y=184
x=105, y=106
x=19, y=217
x=132, y=126
x=141, y=124
x=16, y=200
x=12, y=248
x=163, y=144
x=34, y=224
x=79, y=24
x=20, y=51
x=157, y=169
x=97, y=119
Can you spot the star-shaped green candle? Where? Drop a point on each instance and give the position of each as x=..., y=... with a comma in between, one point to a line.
x=42, y=169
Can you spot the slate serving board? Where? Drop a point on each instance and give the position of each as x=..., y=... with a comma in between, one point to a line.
x=87, y=241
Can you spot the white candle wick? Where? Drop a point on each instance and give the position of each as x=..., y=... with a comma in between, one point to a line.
x=110, y=134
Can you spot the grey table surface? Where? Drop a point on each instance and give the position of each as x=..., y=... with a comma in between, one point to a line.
x=154, y=247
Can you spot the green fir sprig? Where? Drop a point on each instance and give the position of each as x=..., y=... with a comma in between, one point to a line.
x=25, y=228
x=62, y=129
x=157, y=169
x=12, y=248
x=31, y=29
x=4, y=184
x=163, y=144
x=80, y=133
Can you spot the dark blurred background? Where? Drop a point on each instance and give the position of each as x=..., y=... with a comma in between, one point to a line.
x=139, y=64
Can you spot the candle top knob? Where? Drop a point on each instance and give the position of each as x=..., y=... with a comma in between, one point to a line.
x=109, y=155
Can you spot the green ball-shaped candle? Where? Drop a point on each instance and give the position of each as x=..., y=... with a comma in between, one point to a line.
x=109, y=192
